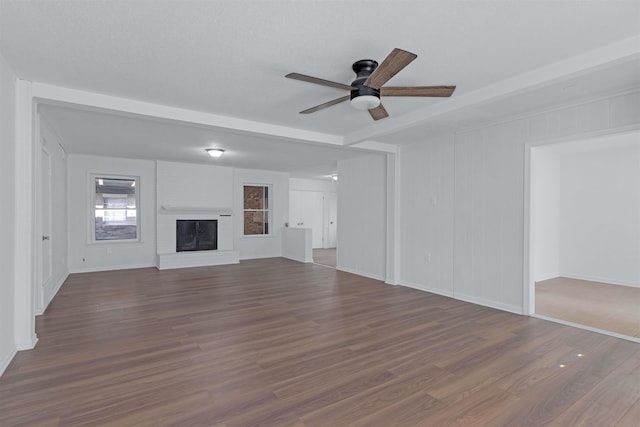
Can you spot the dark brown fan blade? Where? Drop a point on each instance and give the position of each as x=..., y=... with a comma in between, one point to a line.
x=392, y=64
x=435, y=91
x=325, y=105
x=378, y=113
x=309, y=79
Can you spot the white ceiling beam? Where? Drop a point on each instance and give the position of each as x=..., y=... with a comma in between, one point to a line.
x=92, y=100
x=624, y=50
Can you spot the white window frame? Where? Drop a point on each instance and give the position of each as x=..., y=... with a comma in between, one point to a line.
x=269, y=210
x=92, y=208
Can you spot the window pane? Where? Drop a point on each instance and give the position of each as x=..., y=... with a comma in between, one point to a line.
x=115, y=209
x=256, y=222
x=266, y=197
x=254, y=197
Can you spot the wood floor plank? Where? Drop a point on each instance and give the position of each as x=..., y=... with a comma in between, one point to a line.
x=276, y=342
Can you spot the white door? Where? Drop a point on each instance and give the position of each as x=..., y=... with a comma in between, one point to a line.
x=45, y=264
x=332, y=225
x=306, y=211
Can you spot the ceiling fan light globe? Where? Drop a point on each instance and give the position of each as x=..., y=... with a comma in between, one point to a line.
x=365, y=102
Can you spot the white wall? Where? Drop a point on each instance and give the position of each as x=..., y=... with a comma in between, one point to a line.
x=261, y=246
x=489, y=194
x=600, y=215
x=7, y=215
x=426, y=224
x=86, y=256
x=545, y=215
x=362, y=215
x=59, y=202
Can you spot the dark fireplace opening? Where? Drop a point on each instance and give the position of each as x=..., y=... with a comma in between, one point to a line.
x=196, y=235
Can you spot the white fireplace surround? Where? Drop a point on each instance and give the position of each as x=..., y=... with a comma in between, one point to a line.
x=168, y=258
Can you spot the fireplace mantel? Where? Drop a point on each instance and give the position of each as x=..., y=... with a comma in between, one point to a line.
x=199, y=210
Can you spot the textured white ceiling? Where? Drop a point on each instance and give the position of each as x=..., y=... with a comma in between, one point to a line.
x=230, y=57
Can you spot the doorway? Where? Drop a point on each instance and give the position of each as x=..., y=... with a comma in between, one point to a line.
x=584, y=236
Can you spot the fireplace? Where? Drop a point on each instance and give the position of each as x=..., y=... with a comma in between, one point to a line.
x=196, y=235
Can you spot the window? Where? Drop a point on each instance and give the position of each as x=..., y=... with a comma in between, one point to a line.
x=257, y=215
x=115, y=208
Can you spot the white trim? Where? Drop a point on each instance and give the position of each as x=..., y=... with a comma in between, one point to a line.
x=360, y=273
x=528, y=286
x=269, y=210
x=528, y=303
x=488, y=303
x=111, y=268
x=49, y=295
x=27, y=344
x=185, y=210
x=25, y=220
x=40, y=143
x=303, y=260
x=91, y=235
x=617, y=52
x=59, y=94
x=547, y=110
x=54, y=291
x=392, y=238
x=260, y=256
x=4, y=363
x=421, y=287
x=586, y=328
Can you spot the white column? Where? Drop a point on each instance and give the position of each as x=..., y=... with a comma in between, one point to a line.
x=25, y=333
x=393, y=218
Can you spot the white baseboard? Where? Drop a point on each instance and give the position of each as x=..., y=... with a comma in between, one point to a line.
x=303, y=260
x=544, y=277
x=260, y=256
x=464, y=297
x=27, y=345
x=4, y=363
x=51, y=293
x=360, y=273
x=421, y=287
x=488, y=303
x=110, y=268
x=600, y=279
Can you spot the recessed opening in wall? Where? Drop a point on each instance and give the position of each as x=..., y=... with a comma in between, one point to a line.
x=196, y=235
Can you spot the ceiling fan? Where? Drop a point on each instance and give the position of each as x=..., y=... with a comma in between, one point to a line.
x=367, y=88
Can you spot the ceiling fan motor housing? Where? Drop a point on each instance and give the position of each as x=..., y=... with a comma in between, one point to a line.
x=363, y=70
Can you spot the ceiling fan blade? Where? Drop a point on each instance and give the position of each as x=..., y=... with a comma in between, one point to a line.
x=325, y=105
x=392, y=64
x=378, y=113
x=310, y=79
x=435, y=91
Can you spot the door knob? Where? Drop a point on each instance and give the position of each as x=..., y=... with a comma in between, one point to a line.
x=45, y=237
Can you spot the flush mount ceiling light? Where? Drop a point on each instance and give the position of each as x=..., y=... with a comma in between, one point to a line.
x=215, y=152
x=334, y=177
x=365, y=102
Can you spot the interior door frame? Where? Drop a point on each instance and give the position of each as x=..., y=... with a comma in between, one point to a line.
x=40, y=171
x=528, y=294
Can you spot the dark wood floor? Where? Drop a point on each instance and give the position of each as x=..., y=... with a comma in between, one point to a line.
x=279, y=343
